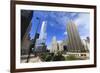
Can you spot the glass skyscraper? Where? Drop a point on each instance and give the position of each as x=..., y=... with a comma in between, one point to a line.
x=40, y=43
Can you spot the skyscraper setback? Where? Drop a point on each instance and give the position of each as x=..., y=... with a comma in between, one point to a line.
x=74, y=41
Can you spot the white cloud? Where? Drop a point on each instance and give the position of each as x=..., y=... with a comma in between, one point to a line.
x=83, y=23
x=65, y=33
x=82, y=19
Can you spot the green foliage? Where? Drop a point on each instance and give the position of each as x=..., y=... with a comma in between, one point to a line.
x=71, y=57
x=48, y=58
x=43, y=56
x=52, y=56
x=58, y=58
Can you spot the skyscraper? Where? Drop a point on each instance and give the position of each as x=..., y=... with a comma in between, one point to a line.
x=74, y=41
x=60, y=45
x=26, y=24
x=43, y=34
x=86, y=44
x=40, y=43
x=54, y=47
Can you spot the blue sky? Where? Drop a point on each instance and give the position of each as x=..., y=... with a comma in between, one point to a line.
x=57, y=23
